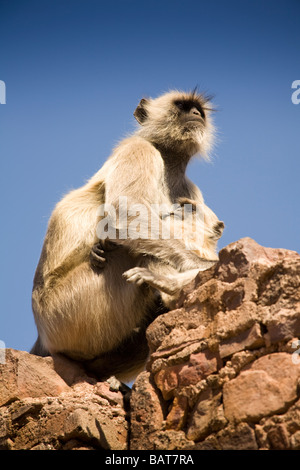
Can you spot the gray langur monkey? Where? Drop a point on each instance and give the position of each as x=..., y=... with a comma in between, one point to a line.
x=94, y=310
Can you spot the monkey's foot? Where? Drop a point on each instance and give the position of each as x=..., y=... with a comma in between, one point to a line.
x=141, y=276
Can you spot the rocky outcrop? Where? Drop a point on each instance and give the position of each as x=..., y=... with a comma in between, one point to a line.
x=224, y=369
x=223, y=372
x=50, y=403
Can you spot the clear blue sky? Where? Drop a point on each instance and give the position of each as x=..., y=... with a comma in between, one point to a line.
x=76, y=69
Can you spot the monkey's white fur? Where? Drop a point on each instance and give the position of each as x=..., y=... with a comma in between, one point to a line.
x=83, y=312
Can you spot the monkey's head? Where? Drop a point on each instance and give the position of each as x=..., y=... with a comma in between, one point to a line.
x=177, y=123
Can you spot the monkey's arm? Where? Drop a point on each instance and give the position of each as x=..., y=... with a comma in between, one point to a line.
x=70, y=235
x=169, y=284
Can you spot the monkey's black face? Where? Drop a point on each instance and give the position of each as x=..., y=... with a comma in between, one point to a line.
x=190, y=111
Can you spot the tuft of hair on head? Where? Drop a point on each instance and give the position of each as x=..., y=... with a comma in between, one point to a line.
x=205, y=97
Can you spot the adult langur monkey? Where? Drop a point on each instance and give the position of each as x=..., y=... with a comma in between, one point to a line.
x=96, y=315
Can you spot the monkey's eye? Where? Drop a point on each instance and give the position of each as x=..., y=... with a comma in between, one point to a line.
x=182, y=105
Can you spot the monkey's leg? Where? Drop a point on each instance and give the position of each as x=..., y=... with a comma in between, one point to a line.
x=38, y=349
x=130, y=356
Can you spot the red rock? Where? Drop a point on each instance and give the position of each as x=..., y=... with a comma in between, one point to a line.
x=220, y=363
x=249, y=339
x=207, y=415
x=266, y=387
x=147, y=413
x=281, y=368
x=38, y=410
x=251, y=396
x=241, y=437
x=25, y=375
x=177, y=416
x=199, y=366
x=283, y=324
x=167, y=381
x=278, y=437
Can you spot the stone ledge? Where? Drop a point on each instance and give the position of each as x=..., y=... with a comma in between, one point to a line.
x=223, y=372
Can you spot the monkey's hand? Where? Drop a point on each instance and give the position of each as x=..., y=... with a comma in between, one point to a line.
x=138, y=276
x=98, y=253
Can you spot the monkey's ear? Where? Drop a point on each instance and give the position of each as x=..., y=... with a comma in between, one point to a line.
x=140, y=113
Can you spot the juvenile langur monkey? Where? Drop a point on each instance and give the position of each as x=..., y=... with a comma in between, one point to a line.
x=93, y=314
x=164, y=277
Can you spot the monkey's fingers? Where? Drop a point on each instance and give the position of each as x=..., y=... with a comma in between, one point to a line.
x=99, y=264
x=138, y=276
x=97, y=257
x=106, y=245
x=133, y=278
x=97, y=251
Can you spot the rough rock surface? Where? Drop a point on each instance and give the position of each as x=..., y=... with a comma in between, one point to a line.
x=51, y=404
x=224, y=368
x=223, y=372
